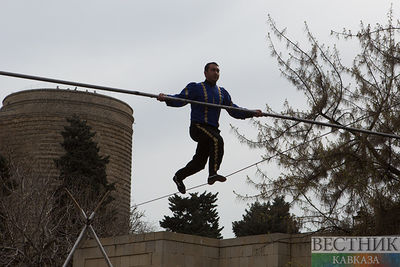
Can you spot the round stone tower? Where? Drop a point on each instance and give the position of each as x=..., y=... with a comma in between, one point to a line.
x=31, y=123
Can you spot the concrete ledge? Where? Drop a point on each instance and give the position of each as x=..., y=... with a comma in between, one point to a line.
x=165, y=249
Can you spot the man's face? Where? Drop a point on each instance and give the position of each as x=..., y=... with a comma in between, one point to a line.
x=212, y=73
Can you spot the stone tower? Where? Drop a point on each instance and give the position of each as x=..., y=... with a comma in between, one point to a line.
x=30, y=132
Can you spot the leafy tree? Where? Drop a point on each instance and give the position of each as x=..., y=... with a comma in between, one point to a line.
x=264, y=218
x=195, y=215
x=339, y=175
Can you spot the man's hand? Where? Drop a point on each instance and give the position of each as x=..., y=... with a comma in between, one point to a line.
x=161, y=97
x=258, y=113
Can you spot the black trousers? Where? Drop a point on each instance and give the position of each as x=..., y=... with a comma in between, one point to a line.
x=210, y=145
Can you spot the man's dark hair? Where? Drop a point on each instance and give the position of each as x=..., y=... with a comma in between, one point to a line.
x=208, y=65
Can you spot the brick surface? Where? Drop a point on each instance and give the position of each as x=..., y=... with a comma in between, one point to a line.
x=31, y=122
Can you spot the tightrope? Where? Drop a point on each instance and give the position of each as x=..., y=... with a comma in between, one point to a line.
x=197, y=186
x=254, y=164
x=240, y=170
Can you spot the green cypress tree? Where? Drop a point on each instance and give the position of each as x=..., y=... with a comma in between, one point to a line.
x=82, y=166
x=264, y=218
x=195, y=215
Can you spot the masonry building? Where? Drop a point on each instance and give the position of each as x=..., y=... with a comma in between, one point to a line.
x=31, y=123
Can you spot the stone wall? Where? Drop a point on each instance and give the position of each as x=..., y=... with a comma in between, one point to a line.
x=30, y=132
x=166, y=249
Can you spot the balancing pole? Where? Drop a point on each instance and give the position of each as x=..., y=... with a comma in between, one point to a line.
x=138, y=93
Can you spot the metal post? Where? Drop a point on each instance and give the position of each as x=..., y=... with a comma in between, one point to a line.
x=100, y=246
x=86, y=226
x=75, y=246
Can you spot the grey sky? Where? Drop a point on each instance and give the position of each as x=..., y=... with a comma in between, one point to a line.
x=160, y=46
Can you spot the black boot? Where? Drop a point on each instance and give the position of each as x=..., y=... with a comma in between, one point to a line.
x=179, y=184
x=216, y=177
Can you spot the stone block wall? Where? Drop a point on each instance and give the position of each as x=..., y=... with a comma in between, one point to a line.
x=166, y=249
x=31, y=123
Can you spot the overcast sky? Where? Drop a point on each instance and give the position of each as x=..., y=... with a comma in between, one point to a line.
x=159, y=46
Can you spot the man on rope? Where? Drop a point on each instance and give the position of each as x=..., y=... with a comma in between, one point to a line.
x=204, y=124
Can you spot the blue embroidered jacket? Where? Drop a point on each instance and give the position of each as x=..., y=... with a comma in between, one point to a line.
x=205, y=92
